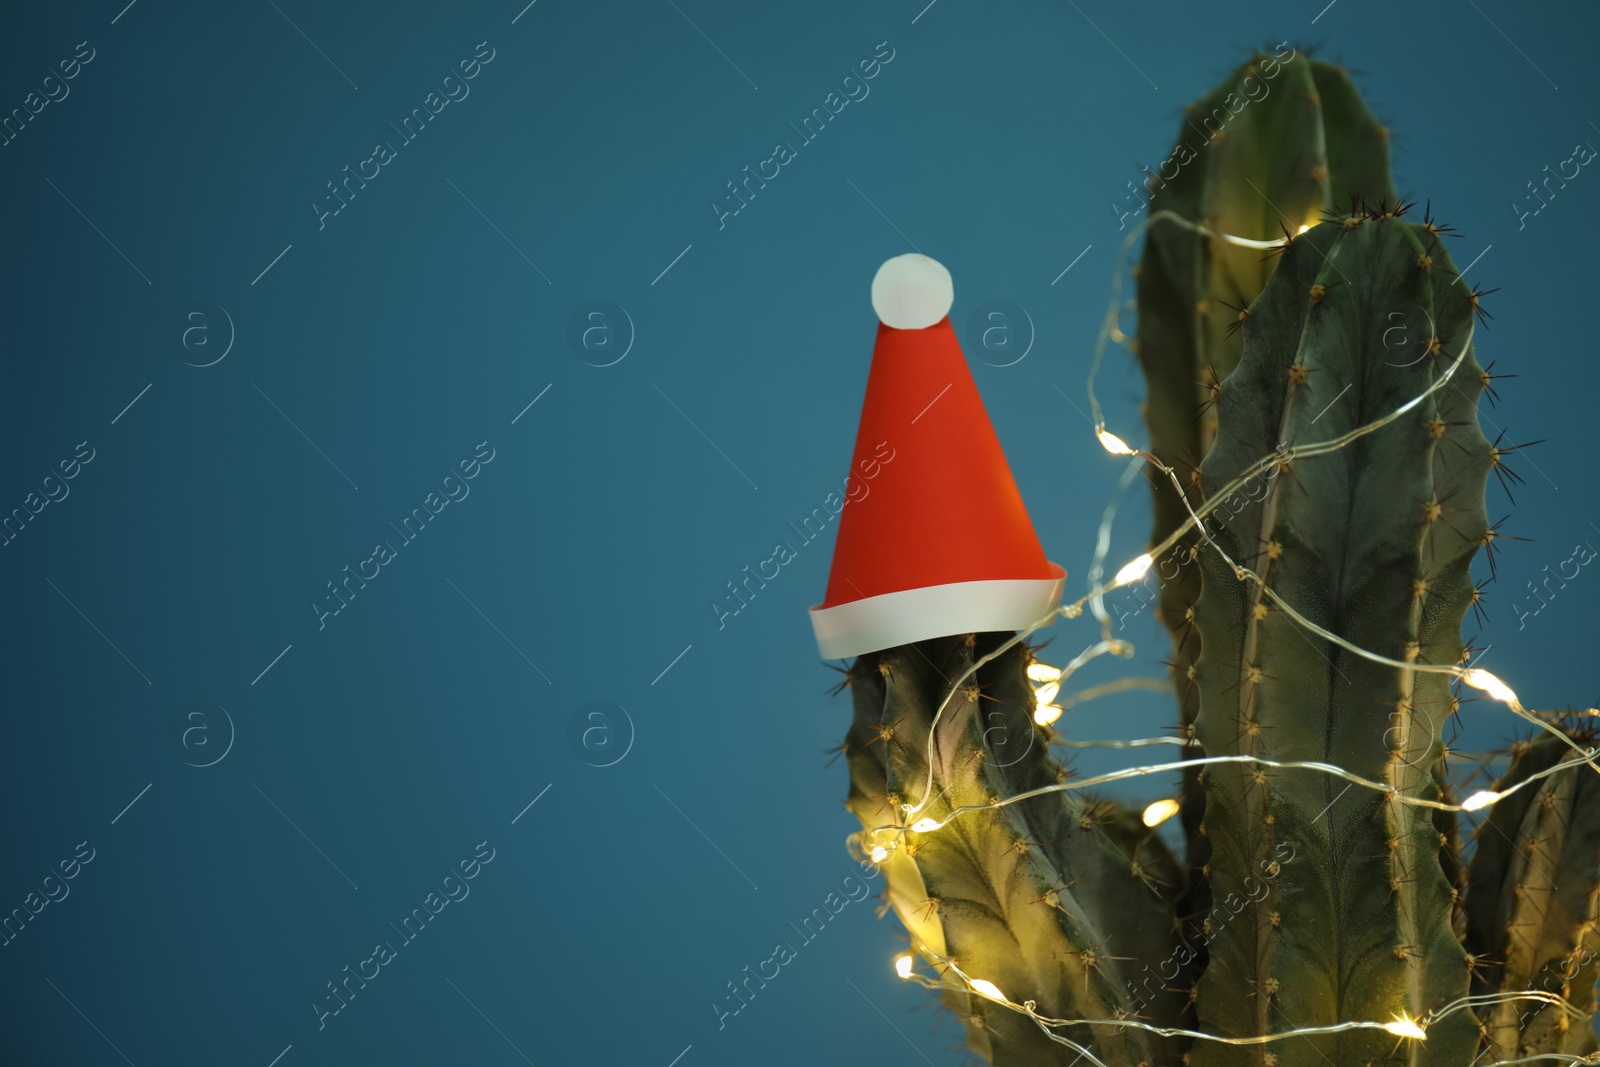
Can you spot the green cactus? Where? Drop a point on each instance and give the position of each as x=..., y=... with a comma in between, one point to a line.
x=1048, y=898
x=1269, y=150
x=1372, y=542
x=1532, y=918
x=1329, y=588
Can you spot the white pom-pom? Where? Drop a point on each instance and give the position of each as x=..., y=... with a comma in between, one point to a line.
x=912, y=292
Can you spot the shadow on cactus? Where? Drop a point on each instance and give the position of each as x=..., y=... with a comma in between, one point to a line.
x=1319, y=479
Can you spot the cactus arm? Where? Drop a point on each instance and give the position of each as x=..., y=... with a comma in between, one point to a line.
x=1032, y=896
x=1358, y=926
x=1307, y=145
x=1535, y=904
x=1355, y=143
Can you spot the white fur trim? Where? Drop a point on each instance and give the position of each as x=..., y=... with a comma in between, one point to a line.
x=890, y=619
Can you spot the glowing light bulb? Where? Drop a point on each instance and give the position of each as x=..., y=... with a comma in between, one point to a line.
x=1479, y=678
x=1160, y=812
x=1132, y=572
x=1404, y=1027
x=902, y=965
x=1112, y=443
x=879, y=853
x=1043, y=672
x=987, y=988
x=1045, y=714
x=923, y=826
x=1481, y=799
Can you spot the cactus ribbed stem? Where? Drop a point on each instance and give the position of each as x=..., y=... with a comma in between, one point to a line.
x=1283, y=139
x=1373, y=543
x=1050, y=899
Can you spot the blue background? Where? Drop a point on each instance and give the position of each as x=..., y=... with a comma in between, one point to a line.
x=421, y=720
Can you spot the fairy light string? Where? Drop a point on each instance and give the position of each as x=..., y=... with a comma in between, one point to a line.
x=1477, y=801
x=1402, y=1026
x=1475, y=677
x=880, y=850
x=1116, y=685
x=1110, y=331
x=1102, y=545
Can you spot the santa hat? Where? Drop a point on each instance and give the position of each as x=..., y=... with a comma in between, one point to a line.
x=936, y=541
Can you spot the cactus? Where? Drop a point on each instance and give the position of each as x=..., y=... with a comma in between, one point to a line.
x=1040, y=898
x=1372, y=542
x=1533, y=926
x=1332, y=582
x=1279, y=142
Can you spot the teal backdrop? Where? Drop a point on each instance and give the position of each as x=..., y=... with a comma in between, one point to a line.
x=391, y=392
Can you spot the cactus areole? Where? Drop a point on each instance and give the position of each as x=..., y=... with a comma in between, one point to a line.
x=943, y=544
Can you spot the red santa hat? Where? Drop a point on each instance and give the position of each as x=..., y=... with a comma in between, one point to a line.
x=939, y=543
